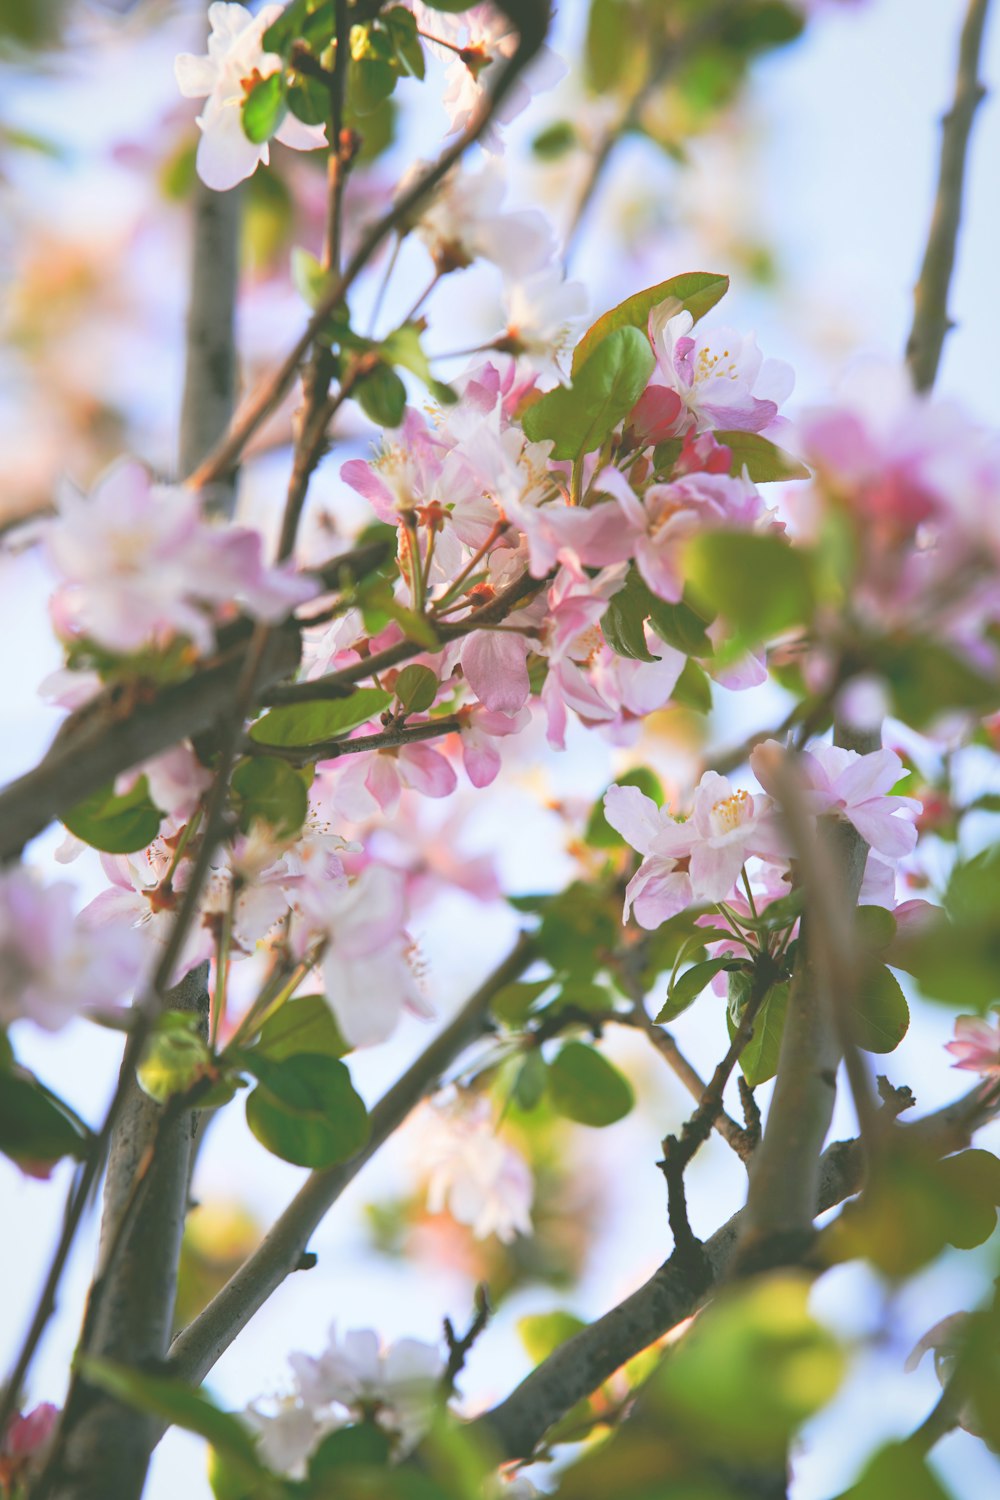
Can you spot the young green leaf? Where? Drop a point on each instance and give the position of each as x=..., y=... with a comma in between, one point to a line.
x=305, y=1109
x=586, y=1088
x=264, y=108
x=696, y=292
x=605, y=388
x=270, y=791
x=301, y=724
x=113, y=824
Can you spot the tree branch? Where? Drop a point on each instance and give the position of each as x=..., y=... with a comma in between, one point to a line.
x=930, y=297
x=262, y=401
x=583, y=1363
x=196, y=1349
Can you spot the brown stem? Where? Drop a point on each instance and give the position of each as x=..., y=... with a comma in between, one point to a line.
x=930, y=297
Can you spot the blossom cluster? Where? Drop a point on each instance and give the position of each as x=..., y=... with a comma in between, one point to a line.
x=355, y=1379
x=700, y=859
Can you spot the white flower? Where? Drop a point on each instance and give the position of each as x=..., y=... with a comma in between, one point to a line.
x=397, y=1384
x=287, y=1433
x=543, y=313
x=474, y=1173
x=235, y=61
x=462, y=222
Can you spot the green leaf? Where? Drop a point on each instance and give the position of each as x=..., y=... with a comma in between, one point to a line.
x=309, y=100
x=576, y=925
x=382, y=396
x=751, y=1370
x=36, y=1128
x=876, y=928
x=116, y=825
x=974, y=1178
x=586, y=1088
x=308, y=277
x=264, y=108
x=680, y=626
x=178, y=1405
x=897, y=1472
x=686, y=989
x=513, y=1003
x=531, y=1080
x=304, y=1024
x=403, y=347
x=599, y=832
x=926, y=679
x=305, y=1109
x=882, y=1016
x=270, y=791
x=416, y=688
x=605, y=388
x=759, y=1058
x=174, y=1058
x=401, y=25
x=624, y=620
x=779, y=914
x=365, y=1445
x=287, y=27
x=693, y=689
x=555, y=140
x=763, y=460
x=696, y=292
x=608, y=44
x=541, y=1333
x=758, y=583
x=302, y=724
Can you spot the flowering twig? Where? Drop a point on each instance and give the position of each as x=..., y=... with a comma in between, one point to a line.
x=391, y=737
x=196, y=1349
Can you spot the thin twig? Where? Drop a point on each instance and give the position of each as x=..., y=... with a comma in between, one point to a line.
x=930, y=297
x=196, y=1349
x=459, y=1348
x=391, y=738
x=262, y=401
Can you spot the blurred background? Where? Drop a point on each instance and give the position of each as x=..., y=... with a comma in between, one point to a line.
x=809, y=181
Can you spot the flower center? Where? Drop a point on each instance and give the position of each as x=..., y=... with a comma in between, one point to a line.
x=730, y=812
x=706, y=366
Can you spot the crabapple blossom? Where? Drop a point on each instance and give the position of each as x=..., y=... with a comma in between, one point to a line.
x=235, y=61
x=845, y=784
x=24, y=1445
x=472, y=1172
x=395, y=1384
x=52, y=964
x=720, y=375
x=976, y=1046
x=287, y=1431
x=366, y=970
x=140, y=566
x=543, y=314
x=463, y=222
x=660, y=888
x=475, y=43
x=363, y=785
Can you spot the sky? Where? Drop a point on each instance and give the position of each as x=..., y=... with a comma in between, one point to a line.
x=837, y=177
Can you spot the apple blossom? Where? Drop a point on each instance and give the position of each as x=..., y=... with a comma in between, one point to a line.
x=287, y=1432
x=720, y=375
x=844, y=784
x=463, y=222
x=52, y=964
x=235, y=61
x=140, y=566
x=367, y=975
x=976, y=1046
x=543, y=314
x=396, y=1384
x=472, y=1172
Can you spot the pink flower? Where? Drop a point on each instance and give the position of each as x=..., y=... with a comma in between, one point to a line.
x=668, y=515
x=52, y=965
x=480, y=727
x=976, y=1046
x=720, y=375
x=659, y=889
x=362, y=785
x=398, y=1383
x=463, y=222
x=843, y=784
x=235, y=60
x=140, y=566
x=367, y=976
x=725, y=828
x=25, y=1444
